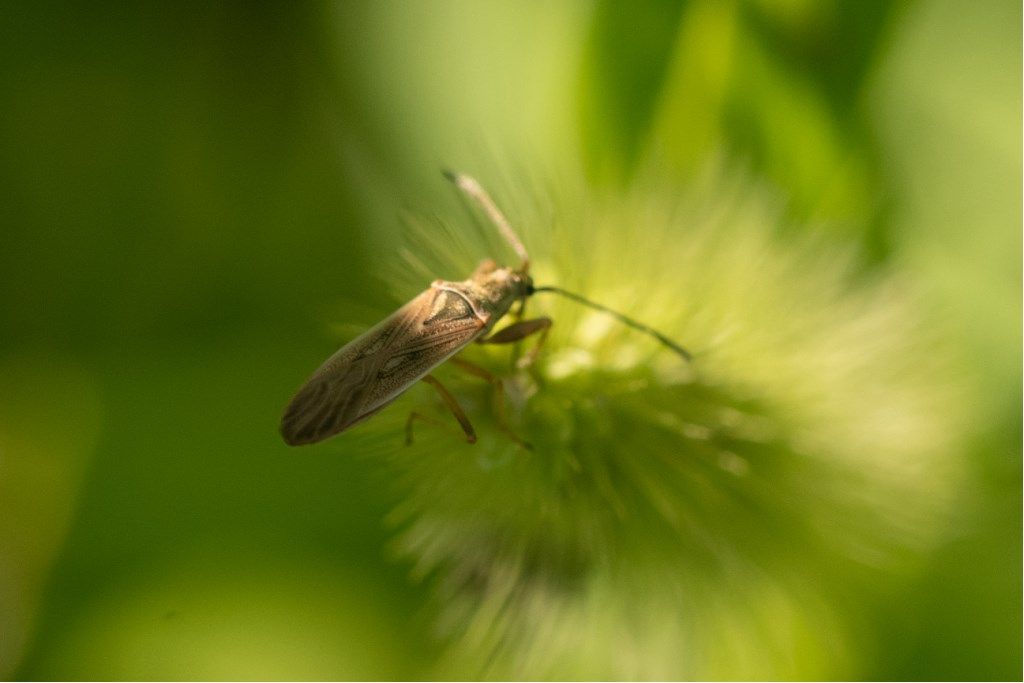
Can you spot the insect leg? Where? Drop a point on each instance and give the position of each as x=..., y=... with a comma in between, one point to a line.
x=521, y=330
x=414, y=416
x=499, y=397
x=517, y=315
x=453, y=406
x=520, y=310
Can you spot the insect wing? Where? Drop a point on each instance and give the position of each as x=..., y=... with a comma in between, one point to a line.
x=372, y=370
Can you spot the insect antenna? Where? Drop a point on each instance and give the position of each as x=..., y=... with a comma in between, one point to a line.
x=636, y=325
x=472, y=188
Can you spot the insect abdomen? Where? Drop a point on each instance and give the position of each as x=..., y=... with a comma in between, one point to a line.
x=375, y=368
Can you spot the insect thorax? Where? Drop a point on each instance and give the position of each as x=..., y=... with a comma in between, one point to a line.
x=490, y=291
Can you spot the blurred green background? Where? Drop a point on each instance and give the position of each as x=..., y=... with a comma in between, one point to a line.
x=194, y=192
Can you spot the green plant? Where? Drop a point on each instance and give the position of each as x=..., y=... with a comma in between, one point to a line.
x=678, y=521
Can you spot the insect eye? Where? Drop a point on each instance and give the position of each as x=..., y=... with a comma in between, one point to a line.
x=448, y=306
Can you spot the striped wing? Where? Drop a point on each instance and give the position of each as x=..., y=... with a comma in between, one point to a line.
x=371, y=371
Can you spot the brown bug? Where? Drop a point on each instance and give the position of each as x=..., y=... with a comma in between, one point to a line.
x=371, y=371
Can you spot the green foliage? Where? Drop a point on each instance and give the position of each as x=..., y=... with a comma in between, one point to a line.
x=626, y=63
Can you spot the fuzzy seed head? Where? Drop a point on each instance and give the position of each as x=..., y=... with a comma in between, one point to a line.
x=673, y=519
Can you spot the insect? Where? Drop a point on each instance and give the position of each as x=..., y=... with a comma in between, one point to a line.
x=371, y=371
